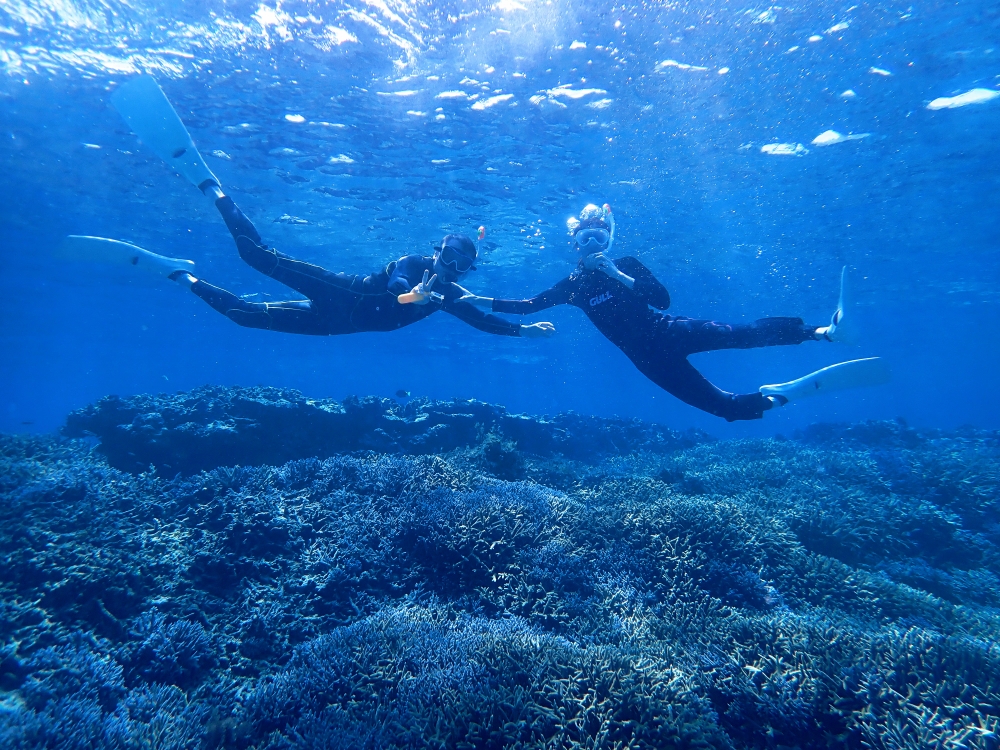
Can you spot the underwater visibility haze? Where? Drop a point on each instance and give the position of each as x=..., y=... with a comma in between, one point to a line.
x=425, y=534
x=353, y=136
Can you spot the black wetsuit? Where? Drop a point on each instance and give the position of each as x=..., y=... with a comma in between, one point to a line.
x=337, y=302
x=659, y=344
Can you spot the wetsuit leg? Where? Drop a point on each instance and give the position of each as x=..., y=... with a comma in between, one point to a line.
x=326, y=287
x=688, y=336
x=318, y=284
x=296, y=316
x=236, y=221
x=679, y=378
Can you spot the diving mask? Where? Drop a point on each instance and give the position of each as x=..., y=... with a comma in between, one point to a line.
x=592, y=239
x=594, y=231
x=453, y=254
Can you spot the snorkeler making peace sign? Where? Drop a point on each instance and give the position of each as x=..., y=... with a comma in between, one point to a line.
x=400, y=294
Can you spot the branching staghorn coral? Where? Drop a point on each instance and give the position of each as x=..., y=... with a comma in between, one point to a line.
x=836, y=590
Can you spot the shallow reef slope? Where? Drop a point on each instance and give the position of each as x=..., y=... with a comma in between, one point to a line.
x=245, y=568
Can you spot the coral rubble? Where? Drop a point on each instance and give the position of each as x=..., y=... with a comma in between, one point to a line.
x=244, y=568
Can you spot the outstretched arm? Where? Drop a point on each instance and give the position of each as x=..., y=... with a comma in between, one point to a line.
x=557, y=295
x=494, y=324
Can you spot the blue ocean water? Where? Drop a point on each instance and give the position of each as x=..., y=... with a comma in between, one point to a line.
x=220, y=537
x=353, y=134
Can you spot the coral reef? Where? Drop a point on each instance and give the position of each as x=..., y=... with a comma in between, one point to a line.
x=563, y=582
x=215, y=426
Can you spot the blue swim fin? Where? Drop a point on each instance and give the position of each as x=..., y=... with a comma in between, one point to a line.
x=144, y=106
x=116, y=252
x=856, y=373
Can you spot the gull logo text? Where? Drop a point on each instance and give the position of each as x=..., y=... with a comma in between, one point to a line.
x=595, y=301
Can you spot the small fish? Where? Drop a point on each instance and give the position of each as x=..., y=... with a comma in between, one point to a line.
x=289, y=219
x=402, y=394
x=784, y=149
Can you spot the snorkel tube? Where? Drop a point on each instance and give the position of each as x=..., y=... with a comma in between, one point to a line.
x=611, y=222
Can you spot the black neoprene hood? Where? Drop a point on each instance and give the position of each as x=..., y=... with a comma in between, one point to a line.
x=462, y=243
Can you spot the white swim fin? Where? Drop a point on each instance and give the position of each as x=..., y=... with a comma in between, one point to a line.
x=116, y=252
x=843, y=325
x=144, y=106
x=856, y=373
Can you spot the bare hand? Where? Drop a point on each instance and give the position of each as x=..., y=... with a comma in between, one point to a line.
x=607, y=266
x=593, y=261
x=600, y=262
x=424, y=289
x=538, y=331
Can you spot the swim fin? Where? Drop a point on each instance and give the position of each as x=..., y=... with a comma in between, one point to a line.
x=120, y=253
x=843, y=326
x=856, y=373
x=143, y=105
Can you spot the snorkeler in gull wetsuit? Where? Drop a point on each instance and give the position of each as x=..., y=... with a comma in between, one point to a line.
x=627, y=304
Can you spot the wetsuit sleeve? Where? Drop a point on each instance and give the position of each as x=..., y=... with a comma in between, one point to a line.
x=481, y=320
x=408, y=273
x=647, y=287
x=558, y=295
